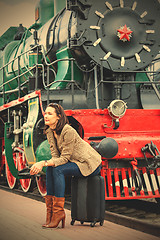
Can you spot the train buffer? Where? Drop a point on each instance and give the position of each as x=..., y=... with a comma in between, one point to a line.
x=21, y=218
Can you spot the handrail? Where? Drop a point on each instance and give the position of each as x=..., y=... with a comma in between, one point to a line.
x=130, y=82
x=16, y=89
x=19, y=56
x=58, y=60
x=17, y=76
x=44, y=57
x=70, y=59
x=120, y=82
x=72, y=81
x=101, y=81
x=65, y=59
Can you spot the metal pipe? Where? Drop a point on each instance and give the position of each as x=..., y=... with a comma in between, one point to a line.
x=36, y=82
x=154, y=86
x=72, y=82
x=3, y=86
x=19, y=88
x=102, y=84
x=130, y=82
x=17, y=57
x=47, y=85
x=16, y=77
x=96, y=87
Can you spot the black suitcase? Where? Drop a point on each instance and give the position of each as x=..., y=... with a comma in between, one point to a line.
x=88, y=200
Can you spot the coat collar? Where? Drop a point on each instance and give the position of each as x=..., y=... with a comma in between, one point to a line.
x=50, y=130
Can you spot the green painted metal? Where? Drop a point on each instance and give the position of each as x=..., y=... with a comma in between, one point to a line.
x=9, y=74
x=7, y=37
x=64, y=70
x=59, y=5
x=141, y=77
x=33, y=58
x=28, y=141
x=1, y=75
x=8, y=150
x=46, y=10
x=10, y=71
x=43, y=152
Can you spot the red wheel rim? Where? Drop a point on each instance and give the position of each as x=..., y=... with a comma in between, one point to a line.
x=11, y=180
x=41, y=184
x=22, y=163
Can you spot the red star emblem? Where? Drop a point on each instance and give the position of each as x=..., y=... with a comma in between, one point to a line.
x=125, y=33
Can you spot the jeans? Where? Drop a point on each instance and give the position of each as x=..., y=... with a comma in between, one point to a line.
x=55, y=177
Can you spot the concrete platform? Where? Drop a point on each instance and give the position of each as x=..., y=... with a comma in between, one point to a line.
x=21, y=219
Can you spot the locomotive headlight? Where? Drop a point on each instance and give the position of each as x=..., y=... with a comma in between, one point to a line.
x=117, y=108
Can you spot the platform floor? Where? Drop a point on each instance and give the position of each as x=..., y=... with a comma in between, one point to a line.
x=21, y=219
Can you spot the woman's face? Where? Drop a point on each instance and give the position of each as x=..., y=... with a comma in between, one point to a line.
x=50, y=117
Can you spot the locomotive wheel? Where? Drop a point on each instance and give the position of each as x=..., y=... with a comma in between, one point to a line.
x=11, y=180
x=41, y=184
x=26, y=184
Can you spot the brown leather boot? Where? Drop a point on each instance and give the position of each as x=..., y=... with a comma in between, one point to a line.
x=58, y=213
x=49, y=206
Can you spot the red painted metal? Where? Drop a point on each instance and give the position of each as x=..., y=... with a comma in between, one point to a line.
x=125, y=33
x=20, y=100
x=22, y=163
x=117, y=183
x=137, y=128
x=155, y=186
x=110, y=185
x=124, y=181
x=148, y=187
x=11, y=180
x=41, y=184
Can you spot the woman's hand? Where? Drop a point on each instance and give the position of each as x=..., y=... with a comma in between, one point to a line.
x=36, y=168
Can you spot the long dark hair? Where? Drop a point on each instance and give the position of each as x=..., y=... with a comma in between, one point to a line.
x=63, y=120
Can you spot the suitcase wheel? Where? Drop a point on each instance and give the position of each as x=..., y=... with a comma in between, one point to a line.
x=93, y=224
x=72, y=222
x=101, y=223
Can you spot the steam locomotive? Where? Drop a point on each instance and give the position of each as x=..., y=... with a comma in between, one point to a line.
x=101, y=61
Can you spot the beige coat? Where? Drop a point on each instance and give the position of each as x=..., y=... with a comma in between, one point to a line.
x=71, y=147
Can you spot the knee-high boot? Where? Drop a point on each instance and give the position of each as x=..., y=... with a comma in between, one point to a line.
x=58, y=213
x=49, y=206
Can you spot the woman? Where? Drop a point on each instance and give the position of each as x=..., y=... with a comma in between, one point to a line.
x=71, y=156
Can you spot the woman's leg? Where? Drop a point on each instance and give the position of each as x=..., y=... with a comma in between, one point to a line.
x=55, y=183
x=49, y=181
x=55, y=178
x=49, y=198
